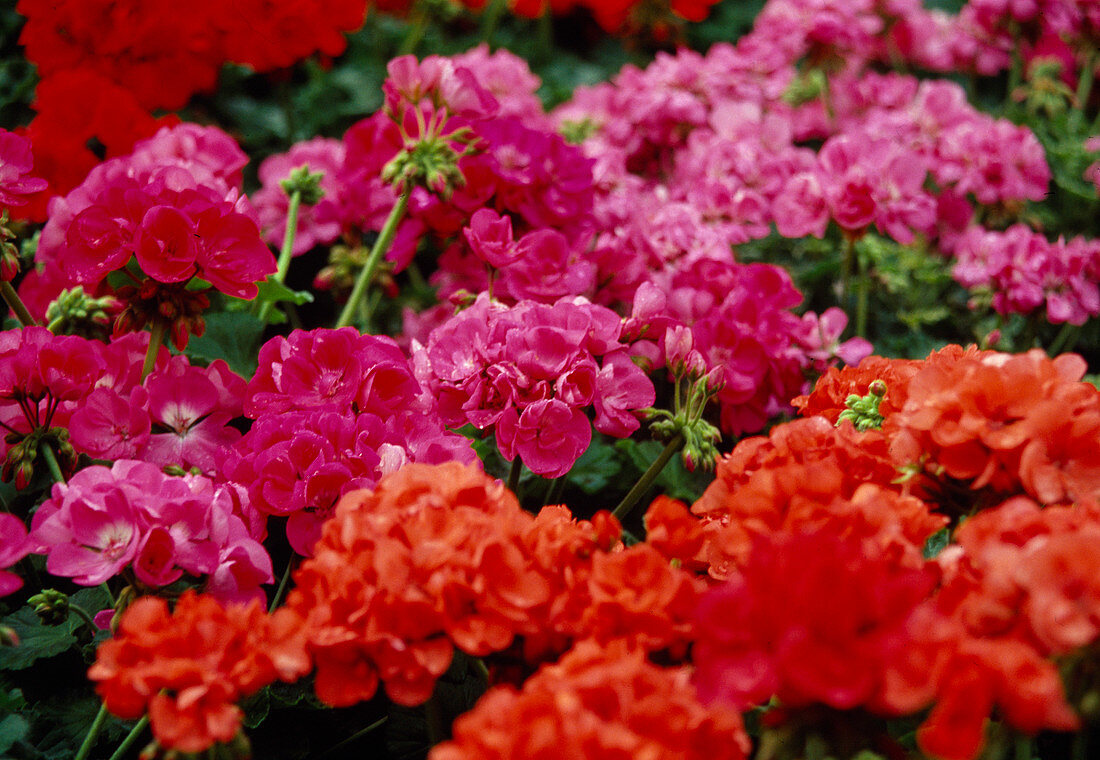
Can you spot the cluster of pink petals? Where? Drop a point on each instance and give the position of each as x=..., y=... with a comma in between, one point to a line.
x=317, y=223
x=530, y=371
x=178, y=416
x=334, y=411
x=174, y=204
x=133, y=515
x=715, y=133
x=13, y=547
x=541, y=266
x=742, y=325
x=523, y=167
x=16, y=161
x=1025, y=272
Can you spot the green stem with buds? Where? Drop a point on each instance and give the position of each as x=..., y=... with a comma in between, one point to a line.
x=650, y=475
x=381, y=245
x=15, y=303
x=131, y=737
x=51, y=462
x=156, y=339
x=93, y=734
x=287, y=251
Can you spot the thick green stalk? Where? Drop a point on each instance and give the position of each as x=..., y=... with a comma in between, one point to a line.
x=490, y=19
x=381, y=245
x=156, y=339
x=15, y=303
x=650, y=475
x=51, y=462
x=513, y=474
x=131, y=737
x=287, y=251
x=93, y=734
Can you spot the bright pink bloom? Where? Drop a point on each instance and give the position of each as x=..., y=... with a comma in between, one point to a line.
x=13, y=547
x=549, y=436
x=15, y=167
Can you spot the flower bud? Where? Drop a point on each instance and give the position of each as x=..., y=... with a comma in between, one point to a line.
x=308, y=184
x=51, y=606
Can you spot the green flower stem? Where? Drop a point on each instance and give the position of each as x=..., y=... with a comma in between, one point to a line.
x=490, y=20
x=354, y=737
x=381, y=245
x=650, y=475
x=15, y=303
x=433, y=711
x=1065, y=340
x=1084, y=84
x=863, y=296
x=93, y=734
x=131, y=737
x=279, y=592
x=287, y=251
x=156, y=339
x=418, y=24
x=846, y=270
x=51, y=461
x=513, y=474
x=84, y=616
x=553, y=491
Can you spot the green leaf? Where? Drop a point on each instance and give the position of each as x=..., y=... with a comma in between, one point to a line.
x=596, y=468
x=231, y=337
x=274, y=291
x=937, y=542
x=13, y=728
x=36, y=640
x=674, y=481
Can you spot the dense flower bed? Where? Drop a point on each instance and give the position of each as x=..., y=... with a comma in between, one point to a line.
x=737, y=402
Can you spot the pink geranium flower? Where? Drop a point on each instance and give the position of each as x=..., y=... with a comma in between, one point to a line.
x=13, y=547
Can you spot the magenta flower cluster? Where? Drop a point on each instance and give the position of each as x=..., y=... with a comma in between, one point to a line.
x=529, y=373
x=177, y=417
x=1026, y=272
x=174, y=204
x=334, y=411
x=133, y=516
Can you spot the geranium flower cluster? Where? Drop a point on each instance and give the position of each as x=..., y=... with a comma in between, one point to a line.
x=178, y=416
x=173, y=205
x=162, y=56
x=738, y=319
x=1024, y=271
x=334, y=411
x=598, y=702
x=188, y=668
x=131, y=516
x=821, y=620
x=13, y=547
x=971, y=432
x=622, y=16
x=521, y=166
x=530, y=371
x=700, y=152
x=1019, y=590
x=438, y=557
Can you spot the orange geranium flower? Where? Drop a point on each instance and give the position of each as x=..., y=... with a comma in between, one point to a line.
x=603, y=703
x=188, y=668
